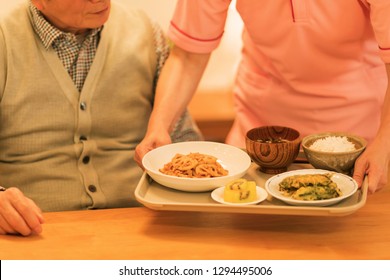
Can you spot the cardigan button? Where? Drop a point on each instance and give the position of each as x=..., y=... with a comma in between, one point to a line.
x=83, y=106
x=83, y=138
x=86, y=159
x=92, y=188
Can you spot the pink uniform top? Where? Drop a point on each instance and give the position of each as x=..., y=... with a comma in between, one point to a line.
x=315, y=66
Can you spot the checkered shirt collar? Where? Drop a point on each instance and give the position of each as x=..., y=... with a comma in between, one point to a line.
x=50, y=34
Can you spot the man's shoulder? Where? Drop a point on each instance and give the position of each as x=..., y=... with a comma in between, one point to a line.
x=15, y=14
x=15, y=21
x=127, y=12
x=126, y=21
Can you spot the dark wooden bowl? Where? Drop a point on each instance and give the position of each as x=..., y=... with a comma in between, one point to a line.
x=273, y=148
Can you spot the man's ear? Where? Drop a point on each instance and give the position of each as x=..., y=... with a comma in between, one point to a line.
x=38, y=4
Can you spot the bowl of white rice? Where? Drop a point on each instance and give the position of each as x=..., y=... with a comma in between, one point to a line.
x=335, y=151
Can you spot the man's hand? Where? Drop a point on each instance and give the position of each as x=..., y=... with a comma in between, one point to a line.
x=19, y=214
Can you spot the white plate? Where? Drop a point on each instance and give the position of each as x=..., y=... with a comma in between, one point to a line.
x=235, y=160
x=217, y=195
x=346, y=184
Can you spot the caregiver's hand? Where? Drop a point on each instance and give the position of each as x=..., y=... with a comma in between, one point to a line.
x=152, y=140
x=374, y=162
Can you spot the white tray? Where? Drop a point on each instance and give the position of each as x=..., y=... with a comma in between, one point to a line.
x=157, y=197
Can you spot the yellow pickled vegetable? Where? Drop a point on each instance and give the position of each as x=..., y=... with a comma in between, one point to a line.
x=240, y=191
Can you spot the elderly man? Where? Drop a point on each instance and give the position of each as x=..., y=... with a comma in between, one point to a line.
x=77, y=80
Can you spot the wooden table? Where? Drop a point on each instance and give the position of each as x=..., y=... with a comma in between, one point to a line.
x=141, y=233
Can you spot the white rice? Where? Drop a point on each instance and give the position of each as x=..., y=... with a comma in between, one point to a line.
x=333, y=144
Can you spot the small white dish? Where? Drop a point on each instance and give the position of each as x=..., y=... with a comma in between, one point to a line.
x=346, y=184
x=217, y=195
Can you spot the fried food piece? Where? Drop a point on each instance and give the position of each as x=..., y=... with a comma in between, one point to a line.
x=310, y=187
x=317, y=193
x=297, y=181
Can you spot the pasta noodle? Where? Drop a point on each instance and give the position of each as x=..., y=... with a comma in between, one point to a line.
x=194, y=165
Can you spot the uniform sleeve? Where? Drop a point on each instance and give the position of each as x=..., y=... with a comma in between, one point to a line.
x=197, y=25
x=380, y=19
